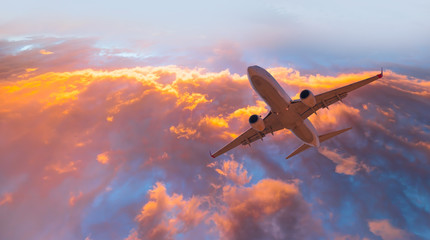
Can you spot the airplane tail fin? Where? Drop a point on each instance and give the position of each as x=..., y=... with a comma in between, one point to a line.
x=322, y=138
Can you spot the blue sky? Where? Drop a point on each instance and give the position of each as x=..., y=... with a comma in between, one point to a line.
x=330, y=34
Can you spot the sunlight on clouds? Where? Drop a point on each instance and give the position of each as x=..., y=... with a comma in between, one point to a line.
x=63, y=168
x=47, y=89
x=163, y=216
x=386, y=231
x=133, y=235
x=241, y=115
x=404, y=140
x=190, y=101
x=270, y=194
x=68, y=121
x=387, y=112
x=406, y=84
x=246, y=112
x=365, y=107
x=270, y=209
x=234, y=171
x=45, y=52
x=61, y=98
x=217, y=122
x=212, y=164
x=74, y=197
x=103, y=158
x=182, y=131
x=328, y=118
x=6, y=198
x=344, y=165
x=423, y=144
x=349, y=237
x=226, y=135
x=52, y=89
x=30, y=69
x=319, y=83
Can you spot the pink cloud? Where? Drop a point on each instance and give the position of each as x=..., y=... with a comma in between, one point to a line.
x=6, y=198
x=164, y=216
x=386, y=231
x=348, y=165
x=60, y=122
x=268, y=209
x=234, y=171
x=45, y=52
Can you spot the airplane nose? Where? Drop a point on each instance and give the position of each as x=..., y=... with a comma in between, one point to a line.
x=252, y=70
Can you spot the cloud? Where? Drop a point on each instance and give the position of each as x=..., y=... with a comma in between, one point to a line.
x=269, y=209
x=164, y=216
x=386, y=231
x=234, y=171
x=103, y=158
x=158, y=123
x=344, y=165
x=63, y=168
x=74, y=198
x=45, y=52
x=6, y=198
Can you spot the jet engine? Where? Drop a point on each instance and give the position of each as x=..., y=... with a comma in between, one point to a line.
x=308, y=98
x=257, y=123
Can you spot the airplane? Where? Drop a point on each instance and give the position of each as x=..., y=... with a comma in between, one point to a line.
x=286, y=113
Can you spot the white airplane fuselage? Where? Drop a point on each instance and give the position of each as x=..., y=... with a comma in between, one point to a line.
x=274, y=95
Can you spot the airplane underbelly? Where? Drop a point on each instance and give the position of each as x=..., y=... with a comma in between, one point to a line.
x=306, y=132
x=272, y=96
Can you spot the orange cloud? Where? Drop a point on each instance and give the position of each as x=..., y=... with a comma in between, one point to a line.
x=274, y=201
x=30, y=69
x=63, y=168
x=234, y=171
x=246, y=112
x=63, y=116
x=317, y=82
x=270, y=195
x=6, y=198
x=103, y=158
x=349, y=237
x=74, y=197
x=330, y=118
x=183, y=132
x=238, y=117
x=45, y=52
x=386, y=231
x=216, y=122
x=389, y=112
x=164, y=216
x=406, y=84
x=133, y=235
x=190, y=101
x=348, y=165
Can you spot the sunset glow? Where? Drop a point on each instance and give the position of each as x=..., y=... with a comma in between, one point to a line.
x=108, y=118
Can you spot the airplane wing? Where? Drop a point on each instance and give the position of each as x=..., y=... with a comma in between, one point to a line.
x=272, y=125
x=330, y=97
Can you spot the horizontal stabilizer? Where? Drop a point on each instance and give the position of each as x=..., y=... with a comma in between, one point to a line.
x=332, y=134
x=322, y=138
x=299, y=150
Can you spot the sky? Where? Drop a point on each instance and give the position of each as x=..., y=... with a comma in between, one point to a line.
x=108, y=112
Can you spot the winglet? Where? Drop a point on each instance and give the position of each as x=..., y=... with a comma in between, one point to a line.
x=381, y=74
x=210, y=153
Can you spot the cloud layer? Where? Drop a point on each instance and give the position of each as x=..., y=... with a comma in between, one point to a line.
x=122, y=152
